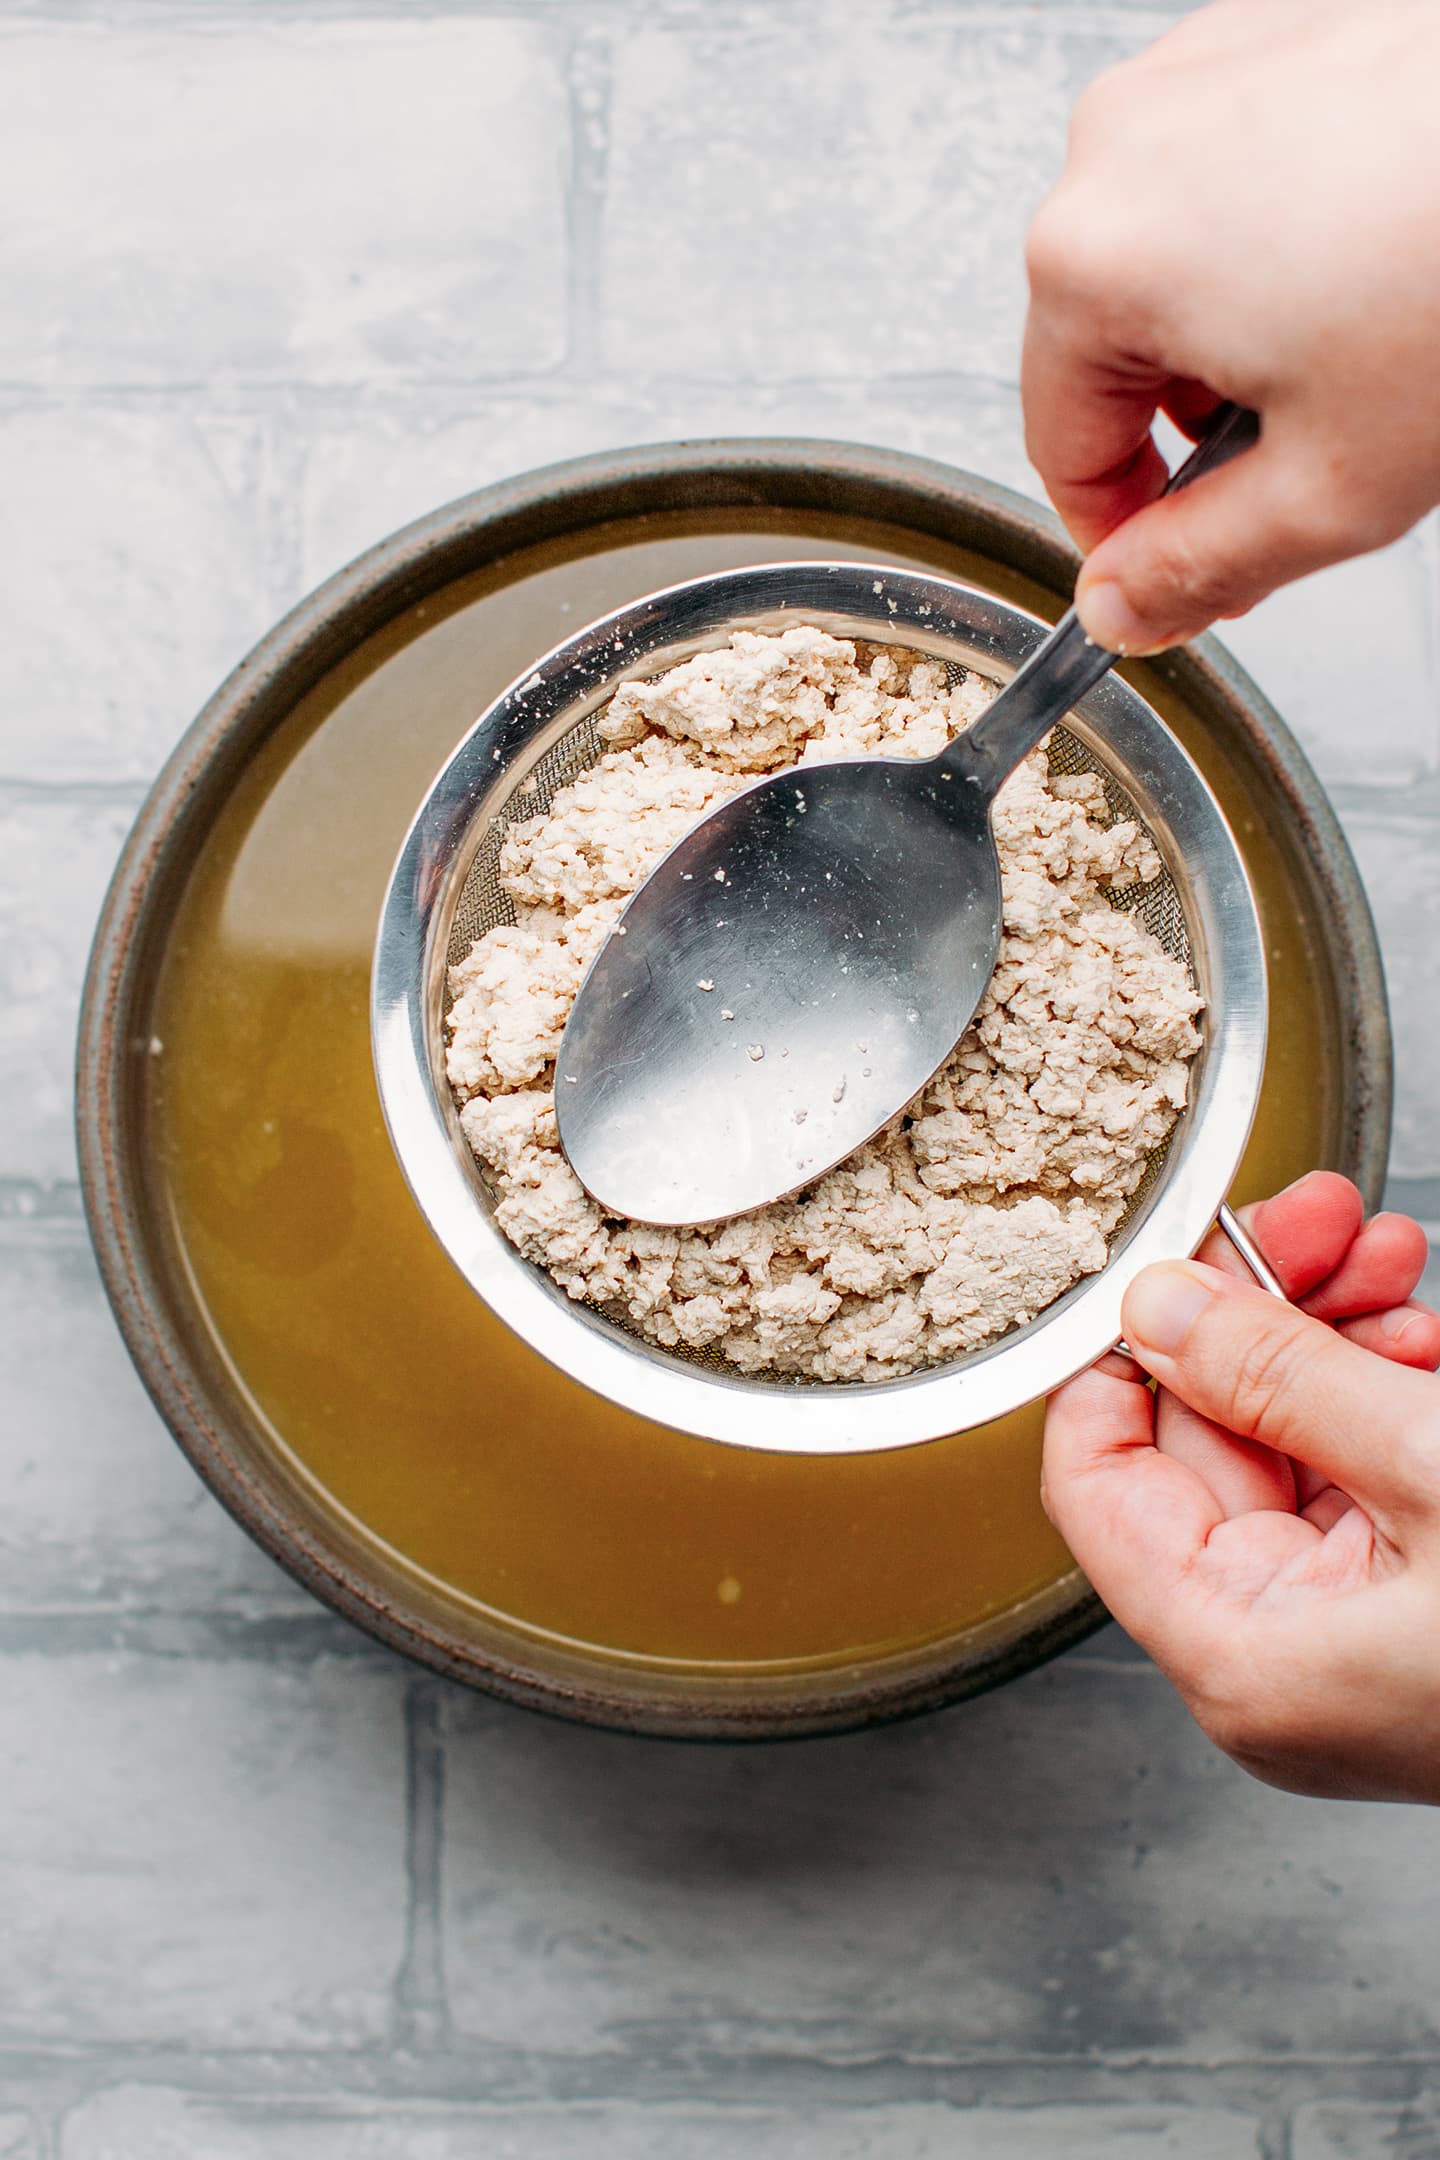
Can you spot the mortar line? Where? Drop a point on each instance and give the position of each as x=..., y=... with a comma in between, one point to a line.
x=41, y=1233
x=251, y=395
x=422, y=2012
x=478, y=2073
x=1140, y=17
x=35, y=1214
x=279, y=1634
x=282, y=550
x=125, y=792
x=1276, y=2135
x=588, y=85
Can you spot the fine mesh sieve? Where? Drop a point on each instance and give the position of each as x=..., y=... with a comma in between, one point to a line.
x=484, y=903
x=445, y=892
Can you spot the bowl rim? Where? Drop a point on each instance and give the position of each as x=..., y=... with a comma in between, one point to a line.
x=797, y=475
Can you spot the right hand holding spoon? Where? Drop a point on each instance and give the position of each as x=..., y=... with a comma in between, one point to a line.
x=1249, y=209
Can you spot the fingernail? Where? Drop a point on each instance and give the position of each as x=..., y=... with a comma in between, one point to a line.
x=1163, y=1304
x=1108, y=619
x=1398, y=1322
x=1298, y=1184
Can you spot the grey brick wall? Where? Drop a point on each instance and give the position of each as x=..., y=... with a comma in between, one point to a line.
x=277, y=277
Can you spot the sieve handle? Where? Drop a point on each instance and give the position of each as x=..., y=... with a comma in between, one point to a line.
x=1058, y=674
x=1249, y=1252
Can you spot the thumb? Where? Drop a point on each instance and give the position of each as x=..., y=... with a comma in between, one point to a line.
x=1212, y=549
x=1268, y=1372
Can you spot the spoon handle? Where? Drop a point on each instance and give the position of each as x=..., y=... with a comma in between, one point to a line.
x=1058, y=674
x=1249, y=1252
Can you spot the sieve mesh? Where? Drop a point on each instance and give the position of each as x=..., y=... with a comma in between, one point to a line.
x=484, y=902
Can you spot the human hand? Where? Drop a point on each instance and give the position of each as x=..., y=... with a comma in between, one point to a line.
x=1249, y=209
x=1267, y=1525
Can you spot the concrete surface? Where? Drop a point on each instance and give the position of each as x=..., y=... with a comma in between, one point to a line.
x=274, y=278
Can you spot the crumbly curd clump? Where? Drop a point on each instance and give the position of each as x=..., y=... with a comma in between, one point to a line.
x=998, y=1186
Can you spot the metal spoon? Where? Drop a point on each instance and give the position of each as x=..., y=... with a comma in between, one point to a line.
x=797, y=968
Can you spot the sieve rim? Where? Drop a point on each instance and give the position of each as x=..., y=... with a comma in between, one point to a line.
x=927, y=613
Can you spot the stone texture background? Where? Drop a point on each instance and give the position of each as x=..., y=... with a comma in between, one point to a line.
x=274, y=278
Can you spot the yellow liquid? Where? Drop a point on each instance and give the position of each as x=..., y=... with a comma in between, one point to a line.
x=372, y=1366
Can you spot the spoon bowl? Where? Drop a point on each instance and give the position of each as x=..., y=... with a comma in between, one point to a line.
x=797, y=1006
